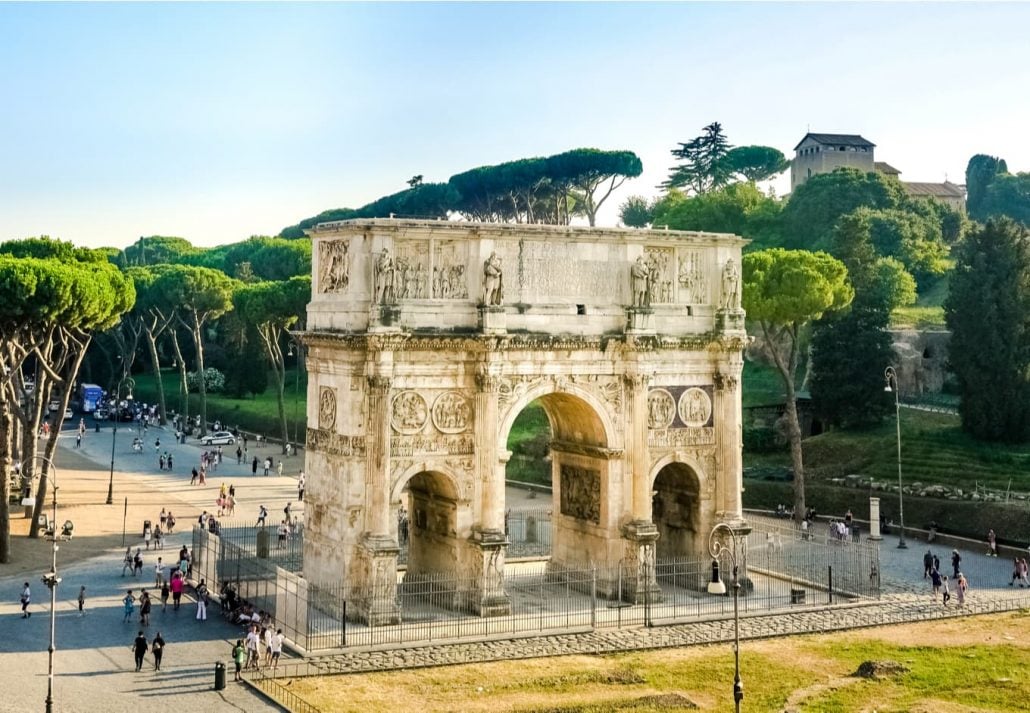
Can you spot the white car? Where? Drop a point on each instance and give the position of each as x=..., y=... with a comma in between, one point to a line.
x=68, y=414
x=218, y=438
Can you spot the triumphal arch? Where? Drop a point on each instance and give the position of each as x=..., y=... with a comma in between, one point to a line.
x=427, y=338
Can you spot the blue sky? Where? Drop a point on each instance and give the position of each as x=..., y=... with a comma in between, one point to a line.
x=216, y=122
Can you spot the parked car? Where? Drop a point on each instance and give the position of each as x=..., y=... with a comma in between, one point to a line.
x=219, y=438
x=101, y=414
x=68, y=414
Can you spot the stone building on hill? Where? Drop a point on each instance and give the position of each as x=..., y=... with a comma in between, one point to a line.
x=824, y=153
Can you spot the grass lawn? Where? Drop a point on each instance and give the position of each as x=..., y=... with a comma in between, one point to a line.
x=258, y=414
x=956, y=665
x=934, y=450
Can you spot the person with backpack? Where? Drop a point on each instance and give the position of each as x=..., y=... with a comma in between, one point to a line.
x=202, y=596
x=158, y=647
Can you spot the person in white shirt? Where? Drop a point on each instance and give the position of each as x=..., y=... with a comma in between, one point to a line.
x=159, y=573
x=269, y=636
x=252, y=647
x=26, y=598
x=276, y=645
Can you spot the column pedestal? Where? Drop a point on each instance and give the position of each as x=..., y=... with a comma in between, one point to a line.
x=377, y=572
x=492, y=319
x=639, y=585
x=490, y=599
x=639, y=320
x=729, y=320
x=384, y=318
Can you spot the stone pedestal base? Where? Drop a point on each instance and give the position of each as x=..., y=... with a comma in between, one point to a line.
x=729, y=320
x=376, y=569
x=490, y=599
x=384, y=318
x=874, y=519
x=639, y=585
x=492, y=319
x=639, y=320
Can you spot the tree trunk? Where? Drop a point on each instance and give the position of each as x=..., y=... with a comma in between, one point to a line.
x=280, y=388
x=201, y=381
x=158, y=381
x=6, y=431
x=184, y=384
x=796, y=460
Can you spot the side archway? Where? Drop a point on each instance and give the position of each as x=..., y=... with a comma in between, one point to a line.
x=677, y=490
x=430, y=516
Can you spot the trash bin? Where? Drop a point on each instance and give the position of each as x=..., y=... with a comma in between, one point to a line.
x=219, y=676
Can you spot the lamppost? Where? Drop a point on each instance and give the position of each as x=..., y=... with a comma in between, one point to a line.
x=891, y=384
x=296, y=386
x=717, y=549
x=50, y=579
x=114, y=431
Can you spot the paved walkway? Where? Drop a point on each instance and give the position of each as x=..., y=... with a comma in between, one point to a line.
x=93, y=662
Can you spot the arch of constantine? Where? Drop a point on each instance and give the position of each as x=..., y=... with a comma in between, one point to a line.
x=426, y=339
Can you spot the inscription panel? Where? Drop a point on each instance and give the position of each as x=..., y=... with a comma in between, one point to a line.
x=557, y=270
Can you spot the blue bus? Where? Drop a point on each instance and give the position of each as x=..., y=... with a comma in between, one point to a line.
x=90, y=395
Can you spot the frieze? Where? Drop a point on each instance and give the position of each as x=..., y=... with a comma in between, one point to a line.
x=661, y=409
x=336, y=444
x=695, y=407
x=427, y=445
x=451, y=412
x=410, y=412
x=449, y=264
x=334, y=266
x=327, y=408
x=581, y=493
x=411, y=270
x=660, y=263
x=677, y=437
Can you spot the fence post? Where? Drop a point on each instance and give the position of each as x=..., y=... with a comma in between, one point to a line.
x=593, y=596
x=829, y=588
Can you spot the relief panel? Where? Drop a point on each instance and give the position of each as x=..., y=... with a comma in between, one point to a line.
x=450, y=261
x=411, y=270
x=581, y=493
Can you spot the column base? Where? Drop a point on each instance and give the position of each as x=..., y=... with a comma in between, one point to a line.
x=639, y=582
x=490, y=599
x=377, y=604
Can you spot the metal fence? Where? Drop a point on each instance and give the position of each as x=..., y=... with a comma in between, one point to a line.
x=528, y=531
x=779, y=569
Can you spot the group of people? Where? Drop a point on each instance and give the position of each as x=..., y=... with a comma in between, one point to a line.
x=939, y=580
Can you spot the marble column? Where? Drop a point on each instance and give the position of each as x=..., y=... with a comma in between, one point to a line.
x=640, y=533
x=729, y=425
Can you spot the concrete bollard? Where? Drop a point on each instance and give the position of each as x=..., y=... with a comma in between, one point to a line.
x=874, y=519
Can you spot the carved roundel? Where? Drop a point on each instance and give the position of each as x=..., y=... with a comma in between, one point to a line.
x=695, y=407
x=451, y=412
x=409, y=412
x=327, y=408
x=661, y=409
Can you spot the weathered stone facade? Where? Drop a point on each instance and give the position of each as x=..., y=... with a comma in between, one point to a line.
x=426, y=340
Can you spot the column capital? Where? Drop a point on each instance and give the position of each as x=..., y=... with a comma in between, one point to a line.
x=725, y=382
x=637, y=382
x=379, y=383
x=488, y=383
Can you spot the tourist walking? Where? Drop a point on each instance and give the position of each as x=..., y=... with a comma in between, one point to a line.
x=935, y=580
x=127, y=563
x=164, y=518
x=239, y=455
x=127, y=605
x=253, y=466
x=164, y=596
x=276, y=646
x=279, y=468
x=26, y=599
x=927, y=564
x=268, y=465
x=82, y=600
x=961, y=585
x=262, y=514
x=202, y=601
x=139, y=648
x=158, y=647
x=144, y=608
x=159, y=573
x=252, y=646
x=300, y=486
x=137, y=564
x=992, y=543
x=945, y=591
x=193, y=476
x=177, y=586
x=956, y=558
